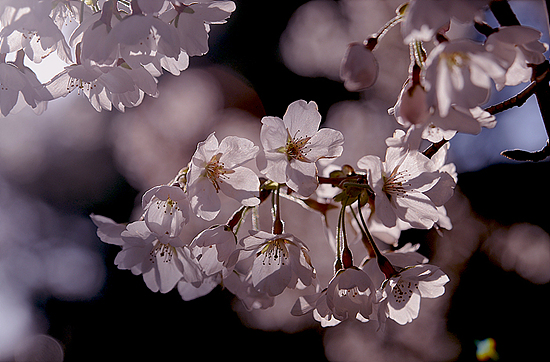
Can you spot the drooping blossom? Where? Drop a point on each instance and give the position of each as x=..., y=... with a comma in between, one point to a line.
x=459, y=73
x=398, y=297
x=520, y=46
x=293, y=144
x=161, y=260
x=166, y=210
x=192, y=22
x=425, y=18
x=241, y=286
x=279, y=261
x=350, y=294
x=26, y=25
x=214, y=248
x=219, y=167
x=359, y=68
x=400, y=184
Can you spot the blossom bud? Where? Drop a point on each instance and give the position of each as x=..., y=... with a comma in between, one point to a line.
x=359, y=68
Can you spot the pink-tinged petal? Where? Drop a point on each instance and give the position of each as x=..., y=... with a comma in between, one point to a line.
x=205, y=202
x=374, y=166
x=326, y=143
x=302, y=119
x=417, y=209
x=273, y=134
x=189, y=291
x=150, y=6
x=108, y=230
x=236, y=151
x=359, y=68
x=242, y=185
x=276, y=166
x=301, y=177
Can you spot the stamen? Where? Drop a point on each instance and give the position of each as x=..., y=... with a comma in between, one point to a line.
x=394, y=184
x=295, y=147
x=216, y=171
x=165, y=251
x=274, y=250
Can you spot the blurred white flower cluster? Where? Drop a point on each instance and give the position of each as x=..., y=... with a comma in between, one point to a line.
x=113, y=57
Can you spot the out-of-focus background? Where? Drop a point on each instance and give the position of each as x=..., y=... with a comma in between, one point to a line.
x=62, y=298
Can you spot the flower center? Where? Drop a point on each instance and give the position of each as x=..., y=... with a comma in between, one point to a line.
x=403, y=291
x=215, y=171
x=80, y=84
x=274, y=250
x=394, y=184
x=168, y=205
x=295, y=148
x=455, y=59
x=164, y=251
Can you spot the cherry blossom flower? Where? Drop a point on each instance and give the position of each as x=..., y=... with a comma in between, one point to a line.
x=163, y=261
x=19, y=85
x=192, y=22
x=166, y=210
x=214, y=248
x=105, y=87
x=26, y=25
x=459, y=73
x=279, y=261
x=293, y=144
x=400, y=184
x=520, y=46
x=424, y=18
x=350, y=294
x=218, y=167
x=400, y=296
x=359, y=68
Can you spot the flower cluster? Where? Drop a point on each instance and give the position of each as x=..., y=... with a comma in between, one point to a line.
x=378, y=198
x=113, y=57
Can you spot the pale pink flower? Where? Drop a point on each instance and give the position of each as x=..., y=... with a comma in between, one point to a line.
x=26, y=25
x=520, y=46
x=166, y=210
x=400, y=184
x=241, y=285
x=350, y=294
x=424, y=18
x=400, y=296
x=359, y=68
x=163, y=261
x=192, y=22
x=279, y=261
x=459, y=73
x=219, y=167
x=214, y=248
x=293, y=144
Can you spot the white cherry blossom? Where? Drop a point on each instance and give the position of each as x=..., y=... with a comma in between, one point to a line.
x=520, y=46
x=400, y=296
x=241, y=286
x=192, y=22
x=279, y=261
x=166, y=210
x=219, y=167
x=26, y=25
x=293, y=144
x=161, y=260
x=214, y=248
x=424, y=18
x=400, y=184
x=350, y=294
x=460, y=73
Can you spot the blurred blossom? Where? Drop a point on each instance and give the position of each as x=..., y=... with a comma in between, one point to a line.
x=523, y=248
x=315, y=40
x=57, y=256
x=39, y=348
